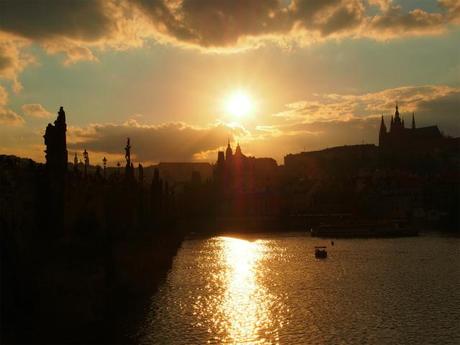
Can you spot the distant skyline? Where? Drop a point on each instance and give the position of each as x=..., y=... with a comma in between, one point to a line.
x=317, y=73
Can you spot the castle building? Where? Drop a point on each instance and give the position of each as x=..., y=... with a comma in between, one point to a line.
x=247, y=186
x=408, y=139
x=240, y=173
x=56, y=145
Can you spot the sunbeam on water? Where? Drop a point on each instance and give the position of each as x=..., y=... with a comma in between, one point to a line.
x=244, y=308
x=226, y=300
x=272, y=290
x=240, y=310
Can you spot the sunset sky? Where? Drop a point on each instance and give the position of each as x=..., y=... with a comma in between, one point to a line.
x=316, y=73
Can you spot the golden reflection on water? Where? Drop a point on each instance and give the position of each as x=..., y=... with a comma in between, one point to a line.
x=244, y=305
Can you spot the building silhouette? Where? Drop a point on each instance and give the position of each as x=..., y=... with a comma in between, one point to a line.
x=402, y=138
x=236, y=172
x=246, y=188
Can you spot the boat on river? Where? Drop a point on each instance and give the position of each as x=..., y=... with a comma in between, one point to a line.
x=320, y=252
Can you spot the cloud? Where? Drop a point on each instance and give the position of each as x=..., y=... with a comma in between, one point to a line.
x=22, y=141
x=208, y=23
x=326, y=120
x=233, y=23
x=42, y=20
x=35, y=110
x=453, y=10
x=77, y=27
x=3, y=96
x=80, y=30
x=7, y=116
x=344, y=107
x=73, y=27
x=166, y=142
x=10, y=118
x=13, y=60
x=395, y=23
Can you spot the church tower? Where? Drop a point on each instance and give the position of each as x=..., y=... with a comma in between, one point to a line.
x=413, y=120
x=238, y=150
x=228, y=151
x=397, y=120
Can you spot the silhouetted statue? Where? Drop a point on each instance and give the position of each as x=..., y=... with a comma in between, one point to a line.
x=104, y=164
x=75, y=163
x=86, y=159
x=129, y=170
x=56, y=145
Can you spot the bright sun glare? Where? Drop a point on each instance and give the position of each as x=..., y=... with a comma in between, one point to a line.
x=239, y=104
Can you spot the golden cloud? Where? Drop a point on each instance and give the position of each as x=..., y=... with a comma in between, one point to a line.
x=344, y=107
x=35, y=110
x=151, y=143
x=7, y=116
x=77, y=28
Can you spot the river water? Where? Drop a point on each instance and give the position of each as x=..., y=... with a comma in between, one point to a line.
x=270, y=289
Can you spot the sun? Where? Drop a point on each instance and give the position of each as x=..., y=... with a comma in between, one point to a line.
x=239, y=104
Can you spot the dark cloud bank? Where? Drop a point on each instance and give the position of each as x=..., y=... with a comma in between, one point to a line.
x=211, y=23
x=168, y=142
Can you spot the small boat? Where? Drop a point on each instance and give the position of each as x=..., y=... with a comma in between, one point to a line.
x=320, y=252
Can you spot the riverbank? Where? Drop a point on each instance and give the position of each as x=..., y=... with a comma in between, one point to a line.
x=80, y=293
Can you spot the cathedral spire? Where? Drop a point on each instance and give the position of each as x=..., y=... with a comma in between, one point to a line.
x=383, y=131
x=228, y=151
x=383, y=127
x=397, y=112
x=397, y=124
x=238, y=150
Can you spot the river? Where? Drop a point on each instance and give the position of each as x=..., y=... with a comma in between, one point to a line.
x=270, y=289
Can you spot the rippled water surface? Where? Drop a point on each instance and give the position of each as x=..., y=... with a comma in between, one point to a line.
x=271, y=289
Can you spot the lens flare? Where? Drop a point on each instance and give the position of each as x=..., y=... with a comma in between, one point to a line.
x=239, y=104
